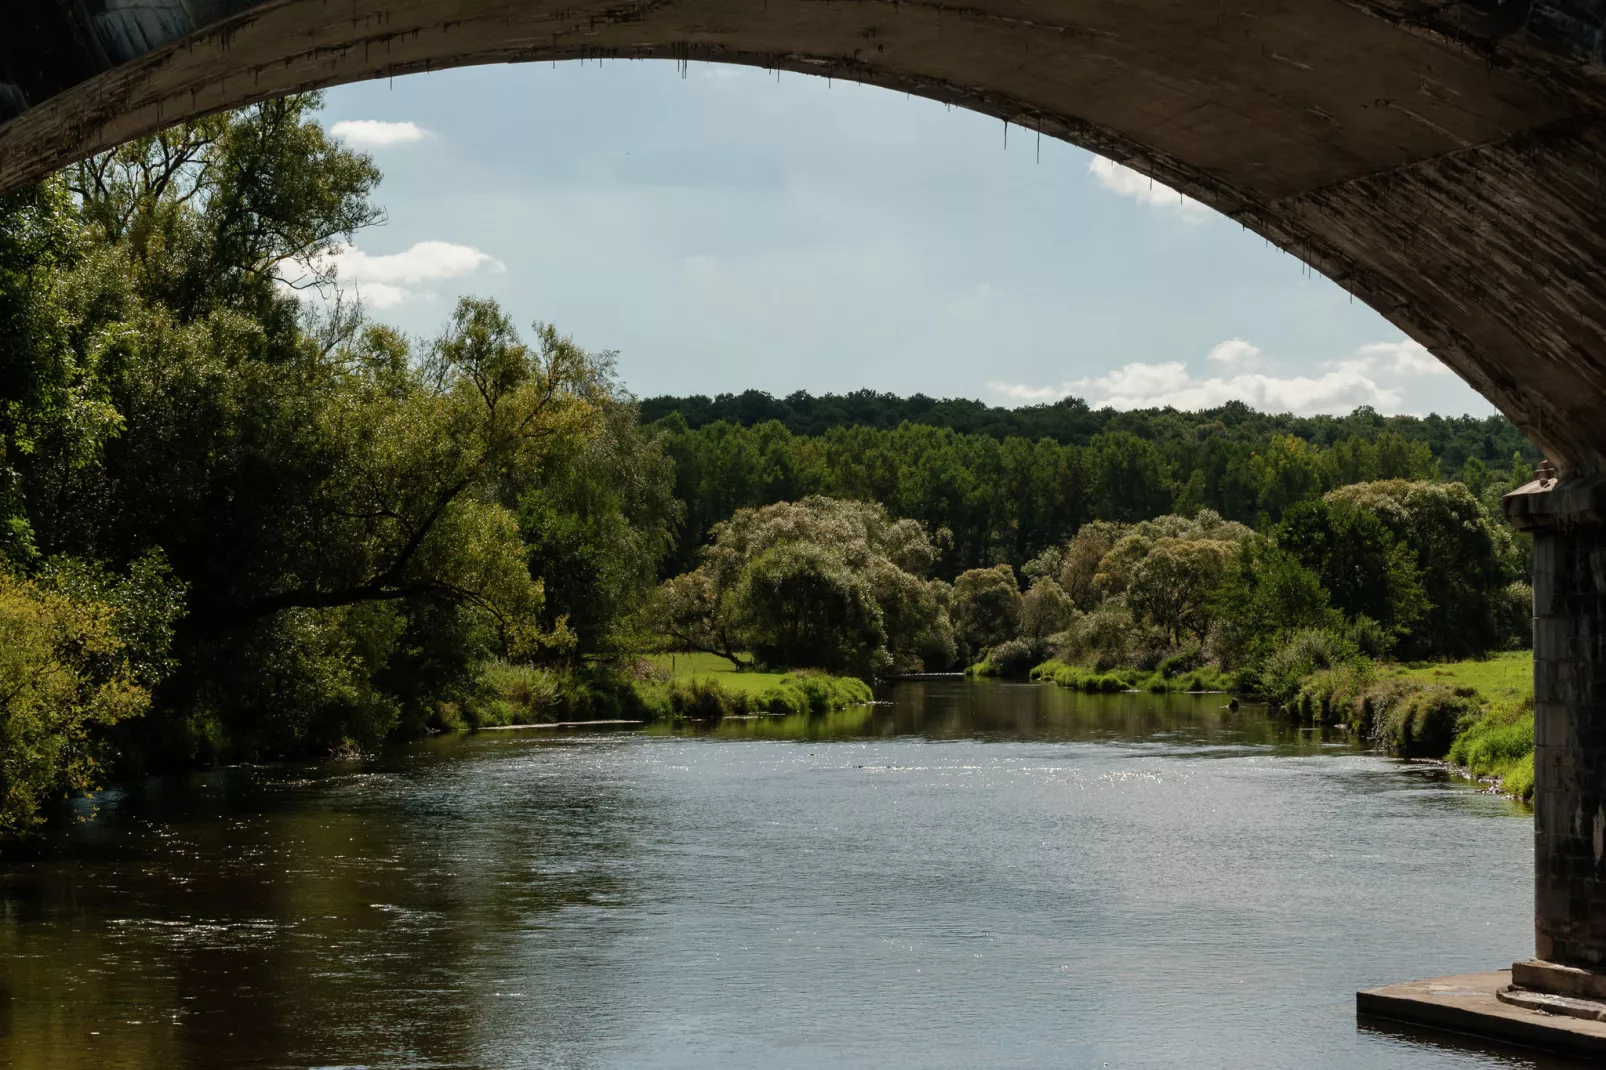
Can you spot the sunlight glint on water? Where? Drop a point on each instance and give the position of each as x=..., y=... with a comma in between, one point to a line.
x=977, y=874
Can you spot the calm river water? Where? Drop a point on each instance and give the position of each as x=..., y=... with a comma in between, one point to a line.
x=976, y=875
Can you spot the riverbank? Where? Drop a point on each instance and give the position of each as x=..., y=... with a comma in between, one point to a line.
x=662, y=688
x=1475, y=715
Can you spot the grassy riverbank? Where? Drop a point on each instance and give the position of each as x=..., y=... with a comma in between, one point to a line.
x=1476, y=714
x=667, y=687
x=1499, y=743
x=1156, y=681
x=708, y=686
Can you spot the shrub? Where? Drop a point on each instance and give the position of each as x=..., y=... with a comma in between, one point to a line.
x=1369, y=637
x=1016, y=658
x=1333, y=695
x=1184, y=660
x=70, y=665
x=1283, y=671
x=1424, y=723
x=1519, y=780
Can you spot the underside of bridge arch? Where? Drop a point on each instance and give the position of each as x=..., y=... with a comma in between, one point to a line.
x=1444, y=160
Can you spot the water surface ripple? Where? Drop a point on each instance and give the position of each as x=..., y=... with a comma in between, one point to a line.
x=974, y=875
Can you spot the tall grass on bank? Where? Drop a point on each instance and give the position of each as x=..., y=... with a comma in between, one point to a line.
x=522, y=694
x=1156, y=681
x=711, y=698
x=1477, y=714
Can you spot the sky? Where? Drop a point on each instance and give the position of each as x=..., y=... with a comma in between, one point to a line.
x=724, y=228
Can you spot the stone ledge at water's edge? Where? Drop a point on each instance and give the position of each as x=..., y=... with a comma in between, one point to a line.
x=1469, y=1004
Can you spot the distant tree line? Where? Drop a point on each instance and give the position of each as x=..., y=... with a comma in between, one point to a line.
x=1451, y=440
x=1005, y=500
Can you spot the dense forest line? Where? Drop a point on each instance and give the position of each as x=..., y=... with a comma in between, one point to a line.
x=237, y=524
x=1005, y=500
x=1452, y=440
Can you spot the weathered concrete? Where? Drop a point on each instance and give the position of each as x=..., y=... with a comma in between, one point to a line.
x=1470, y=1004
x=1536, y=975
x=1568, y=523
x=1445, y=160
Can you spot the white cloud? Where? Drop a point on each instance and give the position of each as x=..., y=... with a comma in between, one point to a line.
x=1139, y=385
x=389, y=279
x=1235, y=353
x=1129, y=183
x=1404, y=357
x=376, y=133
x=1147, y=386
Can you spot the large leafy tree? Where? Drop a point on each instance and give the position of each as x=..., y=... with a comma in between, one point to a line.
x=1461, y=557
x=820, y=582
x=358, y=518
x=1368, y=571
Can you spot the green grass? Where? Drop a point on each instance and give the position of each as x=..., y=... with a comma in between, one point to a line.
x=687, y=669
x=1499, y=742
x=1080, y=678
x=709, y=686
x=1505, y=679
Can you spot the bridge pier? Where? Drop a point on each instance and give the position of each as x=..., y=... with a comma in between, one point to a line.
x=1567, y=519
x=1558, y=998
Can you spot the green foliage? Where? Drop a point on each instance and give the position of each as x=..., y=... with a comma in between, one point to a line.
x=1081, y=678
x=353, y=524
x=803, y=605
x=1424, y=722
x=1011, y=483
x=1330, y=695
x=1045, y=609
x=1283, y=671
x=1367, y=570
x=986, y=607
x=1374, y=446
x=1518, y=780
x=79, y=652
x=1460, y=559
x=514, y=693
x=1494, y=743
x=711, y=698
x=1015, y=658
x=819, y=583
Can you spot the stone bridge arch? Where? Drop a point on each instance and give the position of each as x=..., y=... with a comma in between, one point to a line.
x=1443, y=160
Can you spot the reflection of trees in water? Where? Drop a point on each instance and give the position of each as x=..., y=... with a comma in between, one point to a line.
x=988, y=708
x=264, y=918
x=955, y=709
x=477, y=900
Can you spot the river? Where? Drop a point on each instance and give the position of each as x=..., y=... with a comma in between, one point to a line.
x=974, y=874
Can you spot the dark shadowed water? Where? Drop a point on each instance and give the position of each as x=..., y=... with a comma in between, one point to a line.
x=976, y=875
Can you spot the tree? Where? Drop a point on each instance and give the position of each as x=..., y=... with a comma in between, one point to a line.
x=1459, y=558
x=801, y=605
x=1129, y=478
x=1080, y=566
x=1364, y=567
x=986, y=608
x=1175, y=585
x=1045, y=609
x=79, y=652
x=782, y=579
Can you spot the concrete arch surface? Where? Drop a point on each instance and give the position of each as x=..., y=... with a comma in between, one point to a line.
x=1444, y=160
